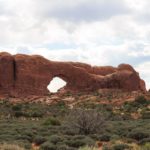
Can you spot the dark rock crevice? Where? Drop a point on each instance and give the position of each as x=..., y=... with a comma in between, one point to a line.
x=14, y=70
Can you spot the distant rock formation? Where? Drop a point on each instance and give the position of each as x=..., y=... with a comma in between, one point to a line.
x=24, y=75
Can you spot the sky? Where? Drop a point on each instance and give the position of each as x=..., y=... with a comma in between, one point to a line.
x=98, y=32
x=56, y=84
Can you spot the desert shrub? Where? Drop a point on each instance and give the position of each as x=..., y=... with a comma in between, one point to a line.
x=58, y=109
x=105, y=137
x=120, y=147
x=89, y=141
x=88, y=148
x=145, y=140
x=75, y=137
x=128, y=107
x=61, y=104
x=141, y=100
x=28, y=114
x=138, y=135
x=80, y=141
x=75, y=143
x=102, y=107
x=62, y=147
x=23, y=137
x=23, y=134
x=109, y=97
x=55, y=139
x=85, y=121
x=18, y=114
x=105, y=147
x=115, y=117
x=17, y=107
x=52, y=121
x=146, y=115
x=87, y=105
x=48, y=146
x=120, y=130
x=68, y=131
x=38, y=114
x=23, y=143
x=39, y=140
x=146, y=146
x=71, y=148
x=68, y=93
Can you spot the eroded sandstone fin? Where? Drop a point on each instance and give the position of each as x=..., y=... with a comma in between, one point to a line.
x=24, y=75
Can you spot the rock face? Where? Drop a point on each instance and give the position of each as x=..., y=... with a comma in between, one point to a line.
x=6, y=73
x=24, y=75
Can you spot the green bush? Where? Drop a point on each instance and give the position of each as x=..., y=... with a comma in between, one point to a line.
x=79, y=141
x=145, y=147
x=39, y=140
x=28, y=114
x=141, y=100
x=89, y=141
x=104, y=138
x=146, y=115
x=23, y=137
x=62, y=147
x=18, y=114
x=52, y=121
x=17, y=107
x=79, y=137
x=55, y=139
x=75, y=143
x=36, y=114
x=128, y=107
x=88, y=148
x=120, y=147
x=143, y=141
x=48, y=146
x=138, y=135
x=105, y=147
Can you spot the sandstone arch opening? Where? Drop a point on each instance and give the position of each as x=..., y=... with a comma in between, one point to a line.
x=56, y=84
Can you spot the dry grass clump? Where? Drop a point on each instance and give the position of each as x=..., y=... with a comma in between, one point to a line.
x=6, y=146
x=88, y=148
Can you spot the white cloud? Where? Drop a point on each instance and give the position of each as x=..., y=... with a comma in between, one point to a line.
x=98, y=32
x=145, y=72
x=83, y=10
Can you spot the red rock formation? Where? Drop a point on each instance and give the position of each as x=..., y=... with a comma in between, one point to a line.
x=23, y=75
x=6, y=73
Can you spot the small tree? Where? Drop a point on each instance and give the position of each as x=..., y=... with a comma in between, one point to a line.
x=86, y=121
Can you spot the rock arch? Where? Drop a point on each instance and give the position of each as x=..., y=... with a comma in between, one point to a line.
x=23, y=75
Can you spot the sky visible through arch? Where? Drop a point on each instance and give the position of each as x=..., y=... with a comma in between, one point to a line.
x=56, y=84
x=98, y=32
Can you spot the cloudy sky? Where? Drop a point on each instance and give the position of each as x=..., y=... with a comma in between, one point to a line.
x=98, y=32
